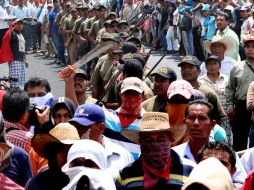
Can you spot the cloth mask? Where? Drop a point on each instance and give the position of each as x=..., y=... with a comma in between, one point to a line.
x=47, y=99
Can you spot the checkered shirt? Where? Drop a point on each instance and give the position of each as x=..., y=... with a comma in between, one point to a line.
x=17, y=69
x=219, y=87
x=18, y=135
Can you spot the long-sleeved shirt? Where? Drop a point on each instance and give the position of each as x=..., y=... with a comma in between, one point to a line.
x=240, y=78
x=3, y=15
x=250, y=98
x=230, y=35
x=19, y=12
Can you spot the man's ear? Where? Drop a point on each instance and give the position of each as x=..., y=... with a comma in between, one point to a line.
x=101, y=128
x=213, y=123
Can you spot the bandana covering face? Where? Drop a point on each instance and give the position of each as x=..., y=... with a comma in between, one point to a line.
x=156, y=155
x=131, y=106
x=43, y=100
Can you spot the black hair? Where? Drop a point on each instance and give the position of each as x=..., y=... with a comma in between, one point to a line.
x=197, y=186
x=219, y=146
x=37, y=81
x=202, y=102
x=15, y=104
x=225, y=15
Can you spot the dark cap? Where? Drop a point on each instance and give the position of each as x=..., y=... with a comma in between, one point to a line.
x=110, y=37
x=213, y=57
x=166, y=72
x=131, y=66
x=140, y=58
x=134, y=40
x=190, y=60
x=81, y=72
x=127, y=47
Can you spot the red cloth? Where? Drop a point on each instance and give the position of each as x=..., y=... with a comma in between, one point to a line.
x=249, y=181
x=2, y=92
x=6, y=54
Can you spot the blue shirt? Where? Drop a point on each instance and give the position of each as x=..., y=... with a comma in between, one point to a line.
x=19, y=12
x=52, y=17
x=19, y=170
x=114, y=128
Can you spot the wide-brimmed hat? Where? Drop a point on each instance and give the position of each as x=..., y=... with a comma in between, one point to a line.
x=63, y=133
x=218, y=40
x=154, y=122
x=5, y=156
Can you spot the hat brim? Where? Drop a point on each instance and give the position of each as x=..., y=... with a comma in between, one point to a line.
x=82, y=121
x=40, y=141
x=164, y=75
x=132, y=88
x=179, y=91
x=228, y=44
x=176, y=133
x=186, y=62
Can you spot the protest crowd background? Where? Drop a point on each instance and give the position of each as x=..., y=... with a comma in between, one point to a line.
x=121, y=124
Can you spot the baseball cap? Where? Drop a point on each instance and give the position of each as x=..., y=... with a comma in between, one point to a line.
x=18, y=21
x=81, y=72
x=132, y=66
x=248, y=38
x=213, y=57
x=112, y=14
x=110, y=37
x=88, y=114
x=127, y=47
x=166, y=72
x=181, y=87
x=132, y=83
x=74, y=9
x=245, y=8
x=193, y=60
x=134, y=40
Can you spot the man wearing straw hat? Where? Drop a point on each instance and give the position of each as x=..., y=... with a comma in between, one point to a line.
x=158, y=167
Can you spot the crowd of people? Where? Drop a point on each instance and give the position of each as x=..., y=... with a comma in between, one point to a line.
x=141, y=127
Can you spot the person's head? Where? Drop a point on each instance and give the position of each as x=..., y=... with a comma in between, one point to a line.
x=74, y=12
x=155, y=138
x=89, y=119
x=55, y=145
x=112, y=15
x=222, y=152
x=180, y=92
x=61, y=110
x=56, y=4
x=21, y=3
x=123, y=26
x=131, y=94
x=249, y=47
x=49, y=8
x=205, y=10
x=113, y=26
x=213, y=64
x=80, y=82
x=199, y=120
x=245, y=11
x=209, y=174
x=131, y=68
x=114, y=38
x=190, y=68
x=18, y=25
x=222, y=21
x=37, y=87
x=86, y=153
x=16, y=106
x=163, y=77
x=102, y=12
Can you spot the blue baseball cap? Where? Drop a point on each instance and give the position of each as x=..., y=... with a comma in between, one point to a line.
x=88, y=114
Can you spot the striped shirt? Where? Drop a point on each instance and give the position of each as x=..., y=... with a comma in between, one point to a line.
x=113, y=129
x=132, y=176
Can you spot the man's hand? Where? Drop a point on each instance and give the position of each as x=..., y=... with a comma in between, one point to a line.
x=44, y=116
x=68, y=73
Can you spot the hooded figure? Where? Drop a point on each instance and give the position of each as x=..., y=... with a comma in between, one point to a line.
x=59, y=103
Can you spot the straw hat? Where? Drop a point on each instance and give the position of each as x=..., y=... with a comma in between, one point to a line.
x=63, y=133
x=218, y=40
x=5, y=156
x=154, y=122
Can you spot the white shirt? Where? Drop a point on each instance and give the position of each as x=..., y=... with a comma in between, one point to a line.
x=246, y=26
x=20, y=13
x=247, y=160
x=226, y=66
x=117, y=157
x=3, y=15
x=183, y=150
x=128, y=13
x=33, y=11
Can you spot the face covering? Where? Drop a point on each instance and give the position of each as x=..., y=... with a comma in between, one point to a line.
x=43, y=100
x=156, y=162
x=131, y=107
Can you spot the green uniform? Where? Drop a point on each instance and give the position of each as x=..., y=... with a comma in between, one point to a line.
x=153, y=104
x=78, y=24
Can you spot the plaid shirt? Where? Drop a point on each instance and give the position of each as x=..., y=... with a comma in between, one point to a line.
x=218, y=86
x=7, y=184
x=18, y=135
